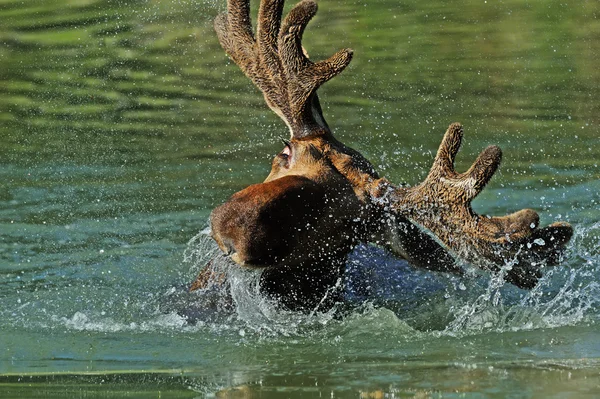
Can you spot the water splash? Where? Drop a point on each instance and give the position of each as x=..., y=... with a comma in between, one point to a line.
x=566, y=295
x=398, y=299
x=252, y=311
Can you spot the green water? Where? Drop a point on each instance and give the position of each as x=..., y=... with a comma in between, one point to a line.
x=123, y=125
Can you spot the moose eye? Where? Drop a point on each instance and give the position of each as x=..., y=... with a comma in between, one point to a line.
x=286, y=153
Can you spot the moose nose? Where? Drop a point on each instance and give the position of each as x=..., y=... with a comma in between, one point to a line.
x=228, y=247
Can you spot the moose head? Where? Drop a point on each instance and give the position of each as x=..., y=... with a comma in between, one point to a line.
x=321, y=197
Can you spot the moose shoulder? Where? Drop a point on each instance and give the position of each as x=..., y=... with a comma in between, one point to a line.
x=322, y=197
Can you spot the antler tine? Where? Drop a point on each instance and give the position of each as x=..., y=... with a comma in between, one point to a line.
x=276, y=62
x=238, y=12
x=269, y=23
x=290, y=37
x=479, y=174
x=446, y=154
x=293, y=55
x=442, y=204
x=484, y=167
x=234, y=31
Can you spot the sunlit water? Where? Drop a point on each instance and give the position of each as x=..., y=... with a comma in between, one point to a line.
x=123, y=125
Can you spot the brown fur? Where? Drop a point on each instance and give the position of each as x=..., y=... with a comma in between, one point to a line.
x=322, y=197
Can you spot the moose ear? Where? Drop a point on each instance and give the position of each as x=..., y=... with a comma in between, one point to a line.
x=260, y=225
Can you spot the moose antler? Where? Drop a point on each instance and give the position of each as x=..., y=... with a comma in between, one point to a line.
x=276, y=62
x=442, y=204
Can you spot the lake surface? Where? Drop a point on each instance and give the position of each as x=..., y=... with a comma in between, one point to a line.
x=123, y=124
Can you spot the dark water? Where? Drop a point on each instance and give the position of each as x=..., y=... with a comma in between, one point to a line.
x=123, y=125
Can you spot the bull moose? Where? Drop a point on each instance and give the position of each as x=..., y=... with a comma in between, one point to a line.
x=322, y=198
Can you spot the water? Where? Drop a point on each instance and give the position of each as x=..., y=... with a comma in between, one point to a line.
x=123, y=125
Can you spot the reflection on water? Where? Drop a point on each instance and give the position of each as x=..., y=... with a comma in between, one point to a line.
x=123, y=125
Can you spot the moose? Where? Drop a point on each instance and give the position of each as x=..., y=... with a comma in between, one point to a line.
x=322, y=198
